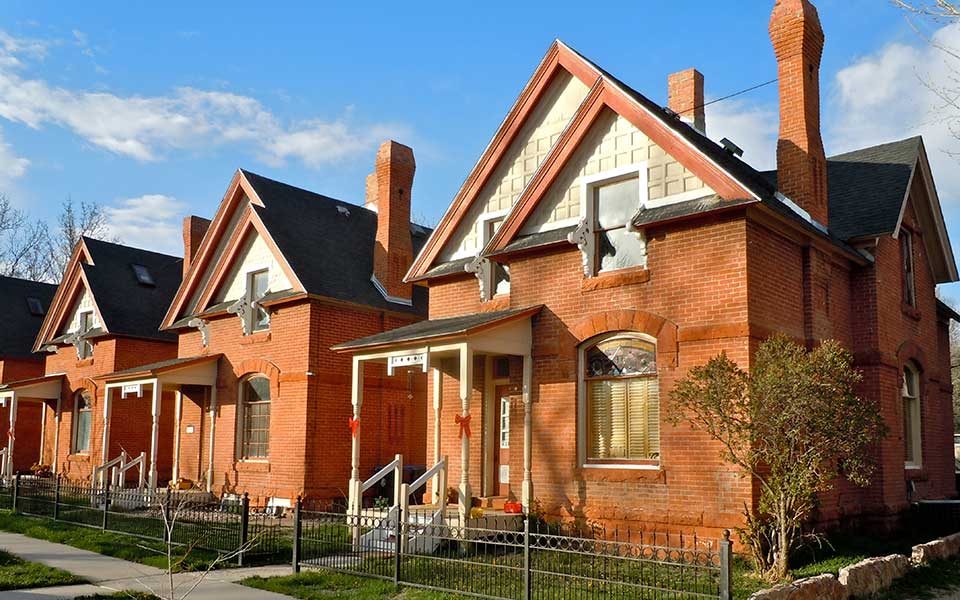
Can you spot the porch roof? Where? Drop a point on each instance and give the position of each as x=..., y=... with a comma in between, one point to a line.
x=438, y=329
x=46, y=387
x=164, y=367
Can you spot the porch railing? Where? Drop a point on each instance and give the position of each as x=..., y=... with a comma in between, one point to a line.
x=440, y=486
x=3, y=462
x=396, y=467
x=117, y=469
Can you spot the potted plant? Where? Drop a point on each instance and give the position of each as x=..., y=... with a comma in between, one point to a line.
x=452, y=495
x=40, y=470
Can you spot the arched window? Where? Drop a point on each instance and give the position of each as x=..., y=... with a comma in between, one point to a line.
x=82, y=421
x=912, y=432
x=255, y=417
x=621, y=397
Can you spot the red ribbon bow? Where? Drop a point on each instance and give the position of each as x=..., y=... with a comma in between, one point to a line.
x=354, y=425
x=10, y=434
x=464, y=423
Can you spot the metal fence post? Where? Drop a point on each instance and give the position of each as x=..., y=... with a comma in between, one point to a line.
x=16, y=491
x=244, y=526
x=398, y=545
x=56, y=499
x=726, y=566
x=106, y=505
x=527, y=583
x=297, y=530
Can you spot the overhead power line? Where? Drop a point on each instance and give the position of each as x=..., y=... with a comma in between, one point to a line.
x=733, y=95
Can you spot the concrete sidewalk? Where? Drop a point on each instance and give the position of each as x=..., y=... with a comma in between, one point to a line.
x=107, y=575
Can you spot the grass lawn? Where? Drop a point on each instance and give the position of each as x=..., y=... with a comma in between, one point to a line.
x=103, y=542
x=314, y=585
x=16, y=574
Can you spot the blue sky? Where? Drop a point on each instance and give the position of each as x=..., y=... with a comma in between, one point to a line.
x=147, y=108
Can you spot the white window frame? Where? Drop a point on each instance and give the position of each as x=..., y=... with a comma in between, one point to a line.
x=505, y=422
x=589, y=182
x=485, y=235
x=582, y=426
x=241, y=418
x=914, y=437
x=76, y=422
x=250, y=317
x=86, y=346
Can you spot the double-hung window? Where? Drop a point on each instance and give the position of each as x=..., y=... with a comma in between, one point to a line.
x=82, y=422
x=906, y=253
x=255, y=418
x=498, y=276
x=85, y=349
x=912, y=432
x=258, y=282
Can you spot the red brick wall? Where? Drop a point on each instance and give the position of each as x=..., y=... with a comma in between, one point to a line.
x=310, y=439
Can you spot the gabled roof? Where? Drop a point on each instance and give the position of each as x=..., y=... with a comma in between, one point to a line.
x=160, y=367
x=732, y=178
x=328, y=244
x=19, y=326
x=126, y=307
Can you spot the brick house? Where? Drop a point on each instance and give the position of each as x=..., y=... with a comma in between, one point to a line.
x=277, y=277
x=104, y=316
x=26, y=303
x=603, y=245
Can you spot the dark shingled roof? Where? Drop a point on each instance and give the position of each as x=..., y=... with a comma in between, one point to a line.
x=19, y=327
x=435, y=328
x=867, y=187
x=331, y=251
x=161, y=365
x=128, y=307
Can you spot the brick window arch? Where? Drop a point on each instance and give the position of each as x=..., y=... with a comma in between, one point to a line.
x=619, y=400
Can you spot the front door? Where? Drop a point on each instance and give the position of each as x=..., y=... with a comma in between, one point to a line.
x=501, y=447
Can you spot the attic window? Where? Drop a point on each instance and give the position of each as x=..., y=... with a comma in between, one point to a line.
x=35, y=306
x=143, y=275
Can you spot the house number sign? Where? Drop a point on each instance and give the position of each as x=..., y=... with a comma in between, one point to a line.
x=409, y=360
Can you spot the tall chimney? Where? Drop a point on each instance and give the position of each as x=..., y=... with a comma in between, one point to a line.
x=371, y=202
x=801, y=165
x=194, y=228
x=393, y=252
x=685, y=97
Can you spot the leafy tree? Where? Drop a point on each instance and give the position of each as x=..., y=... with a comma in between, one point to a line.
x=794, y=423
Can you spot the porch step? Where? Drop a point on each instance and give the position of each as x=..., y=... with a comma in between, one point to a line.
x=494, y=502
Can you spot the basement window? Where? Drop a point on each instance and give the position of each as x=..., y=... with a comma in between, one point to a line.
x=143, y=275
x=35, y=306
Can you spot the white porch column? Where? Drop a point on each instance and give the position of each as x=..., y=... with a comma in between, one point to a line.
x=356, y=399
x=213, y=434
x=11, y=433
x=154, y=432
x=107, y=403
x=176, y=435
x=56, y=439
x=43, y=430
x=437, y=407
x=466, y=387
x=526, y=496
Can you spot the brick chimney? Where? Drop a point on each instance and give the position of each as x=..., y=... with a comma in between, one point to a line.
x=393, y=252
x=801, y=165
x=371, y=202
x=685, y=97
x=194, y=228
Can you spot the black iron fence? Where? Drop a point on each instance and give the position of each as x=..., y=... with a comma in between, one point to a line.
x=511, y=557
x=184, y=519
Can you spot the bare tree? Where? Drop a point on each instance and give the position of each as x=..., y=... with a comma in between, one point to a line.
x=937, y=9
x=23, y=244
x=88, y=219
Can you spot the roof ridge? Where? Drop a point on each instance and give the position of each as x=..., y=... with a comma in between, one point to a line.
x=87, y=239
x=25, y=280
x=914, y=138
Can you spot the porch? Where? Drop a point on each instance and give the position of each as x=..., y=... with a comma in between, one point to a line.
x=44, y=390
x=448, y=348
x=152, y=381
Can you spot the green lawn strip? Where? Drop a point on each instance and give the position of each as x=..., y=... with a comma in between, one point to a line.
x=327, y=584
x=18, y=574
x=927, y=581
x=126, y=547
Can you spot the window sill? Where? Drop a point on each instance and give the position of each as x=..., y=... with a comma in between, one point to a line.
x=611, y=279
x=86, y=362
x=253, y=466
x=256, y=338
x=910, y=311
x=79, y=457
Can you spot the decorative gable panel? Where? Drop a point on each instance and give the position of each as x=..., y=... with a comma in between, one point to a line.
x=254, y=255
x=541, y=131
x=82, y=304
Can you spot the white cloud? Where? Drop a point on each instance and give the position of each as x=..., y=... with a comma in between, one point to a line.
x=753, y=127
x=11, y=165
x=889, y=95
x=151, y=221
x=148, y=128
